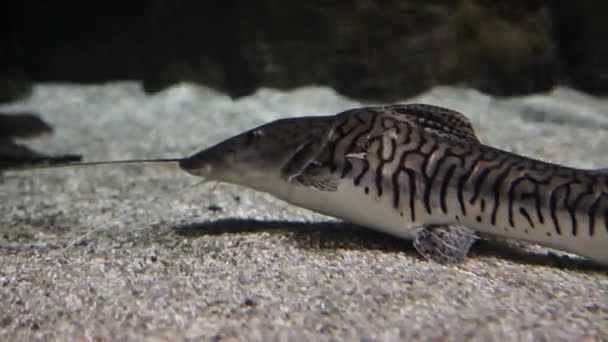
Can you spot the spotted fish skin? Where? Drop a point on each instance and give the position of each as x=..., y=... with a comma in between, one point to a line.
x=404, y=168
x=413, y=171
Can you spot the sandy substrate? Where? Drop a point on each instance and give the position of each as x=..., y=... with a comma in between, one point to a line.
x=163, y=259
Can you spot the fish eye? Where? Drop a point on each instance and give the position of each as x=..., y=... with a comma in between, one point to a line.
x=254, y=135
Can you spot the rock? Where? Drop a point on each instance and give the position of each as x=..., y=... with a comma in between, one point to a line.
x=13, y=155
x=22, y=125
x=385, y=52
x=25, y=125
x=364, y=49
x=581, y=31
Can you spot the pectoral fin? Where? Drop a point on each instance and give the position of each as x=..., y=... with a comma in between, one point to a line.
x=304, y=168
x=323, y=183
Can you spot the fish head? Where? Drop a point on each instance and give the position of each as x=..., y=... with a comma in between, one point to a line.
x=268, y=153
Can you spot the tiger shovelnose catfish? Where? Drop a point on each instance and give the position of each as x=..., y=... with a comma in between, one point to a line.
x=419, y=172
x=415, y=171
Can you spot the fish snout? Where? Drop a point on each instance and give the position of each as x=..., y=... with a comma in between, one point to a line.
x=187, y=164
x=195, y=166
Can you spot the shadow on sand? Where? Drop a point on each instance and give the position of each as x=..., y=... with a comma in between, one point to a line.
x=339, y=235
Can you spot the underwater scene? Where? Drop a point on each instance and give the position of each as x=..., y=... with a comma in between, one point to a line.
x=304, y=171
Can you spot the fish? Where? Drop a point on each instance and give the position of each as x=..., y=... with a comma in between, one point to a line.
x=419, y=172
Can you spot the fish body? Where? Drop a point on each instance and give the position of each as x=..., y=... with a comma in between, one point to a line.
x=414, y=170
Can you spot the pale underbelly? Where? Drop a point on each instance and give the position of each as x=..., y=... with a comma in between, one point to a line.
x=351, y=204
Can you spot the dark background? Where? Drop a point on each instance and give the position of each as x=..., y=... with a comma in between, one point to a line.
x=381, y=50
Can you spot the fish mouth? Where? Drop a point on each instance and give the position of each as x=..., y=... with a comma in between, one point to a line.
x=187, y=164
x=194, y=166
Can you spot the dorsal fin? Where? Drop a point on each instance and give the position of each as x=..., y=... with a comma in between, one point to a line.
x=441, y=121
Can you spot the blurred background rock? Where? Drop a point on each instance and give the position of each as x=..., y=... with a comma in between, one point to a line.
x=366, y=49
